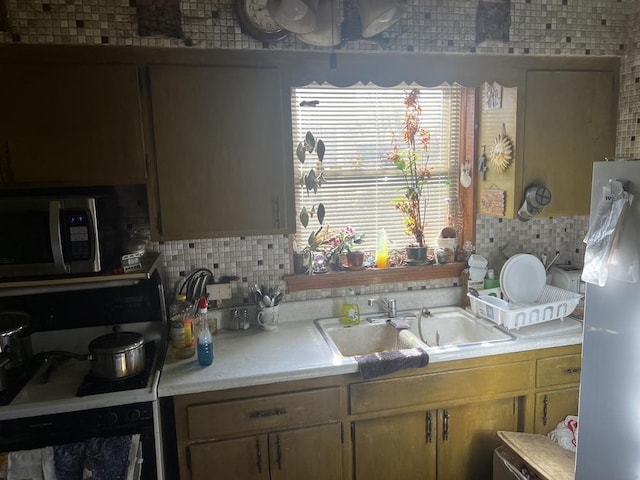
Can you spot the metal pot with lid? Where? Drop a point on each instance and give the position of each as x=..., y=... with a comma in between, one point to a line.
x=117, y=355
x=15, y=343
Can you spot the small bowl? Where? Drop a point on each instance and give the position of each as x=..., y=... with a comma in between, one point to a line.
x=477, y=274
x=477, y=261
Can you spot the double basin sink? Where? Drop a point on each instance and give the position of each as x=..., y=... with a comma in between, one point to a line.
x=439, y=328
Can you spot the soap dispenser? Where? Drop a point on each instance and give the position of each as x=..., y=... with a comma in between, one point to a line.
x=350, y=309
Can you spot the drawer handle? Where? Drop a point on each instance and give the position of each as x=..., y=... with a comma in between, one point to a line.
x=268, y=413
x=571, y=371
x=429, y=428
x=545, y=410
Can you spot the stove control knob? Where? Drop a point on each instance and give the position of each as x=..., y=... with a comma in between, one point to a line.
x=111, y=418
x=134, y=415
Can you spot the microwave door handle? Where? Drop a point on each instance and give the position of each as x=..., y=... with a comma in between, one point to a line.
x=55, y=235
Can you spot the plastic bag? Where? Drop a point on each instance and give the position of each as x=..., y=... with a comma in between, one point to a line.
x=603, y=235
x=566, y=433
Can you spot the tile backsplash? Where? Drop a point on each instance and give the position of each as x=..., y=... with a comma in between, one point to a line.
x=555, y=27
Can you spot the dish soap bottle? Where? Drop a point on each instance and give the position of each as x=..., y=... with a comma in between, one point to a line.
x=181, y=328
x=350, y=309
x=205, y=341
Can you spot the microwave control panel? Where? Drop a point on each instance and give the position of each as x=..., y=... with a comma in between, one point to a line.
x=77, y=233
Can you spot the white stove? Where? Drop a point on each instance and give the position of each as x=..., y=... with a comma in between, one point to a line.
x=59, y=401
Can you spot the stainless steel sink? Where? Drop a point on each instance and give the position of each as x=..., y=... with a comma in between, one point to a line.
x=441, y=328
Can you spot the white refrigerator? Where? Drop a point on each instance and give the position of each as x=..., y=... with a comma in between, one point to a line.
x=609, y=405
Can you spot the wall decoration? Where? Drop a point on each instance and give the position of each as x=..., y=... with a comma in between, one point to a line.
x=502, y=151
x=492, y=96
x=159, y=17
x=493, y=19
x=465, y=174
x=492, y=201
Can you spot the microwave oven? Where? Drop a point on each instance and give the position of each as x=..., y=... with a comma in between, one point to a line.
x=51, y=235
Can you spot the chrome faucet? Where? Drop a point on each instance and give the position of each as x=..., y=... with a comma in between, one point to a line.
x=389, y=305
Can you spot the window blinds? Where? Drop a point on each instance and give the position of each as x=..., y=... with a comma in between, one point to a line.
x=358, y=126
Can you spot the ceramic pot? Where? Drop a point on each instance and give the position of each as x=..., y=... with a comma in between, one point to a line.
x=417, y=255
x=300, y=263
x=355, y=259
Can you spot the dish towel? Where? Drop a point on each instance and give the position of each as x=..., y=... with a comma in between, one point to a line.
x=34, y=464
x=374, y=365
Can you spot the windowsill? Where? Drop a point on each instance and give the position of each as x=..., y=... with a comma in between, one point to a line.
x=373, y=276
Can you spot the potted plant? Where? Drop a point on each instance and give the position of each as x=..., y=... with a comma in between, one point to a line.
x=343, y=242
x=311, y=181
x=412, y=161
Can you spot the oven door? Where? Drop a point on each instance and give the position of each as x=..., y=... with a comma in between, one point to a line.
x=84, y=426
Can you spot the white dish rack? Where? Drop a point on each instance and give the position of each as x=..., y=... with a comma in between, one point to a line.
x=552, y=303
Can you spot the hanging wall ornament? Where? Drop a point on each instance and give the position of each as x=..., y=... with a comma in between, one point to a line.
x=502, y=151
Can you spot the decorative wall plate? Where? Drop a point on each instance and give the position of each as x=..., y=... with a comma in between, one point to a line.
x=502, y=151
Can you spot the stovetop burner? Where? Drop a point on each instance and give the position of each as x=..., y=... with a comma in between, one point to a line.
x=92, y=385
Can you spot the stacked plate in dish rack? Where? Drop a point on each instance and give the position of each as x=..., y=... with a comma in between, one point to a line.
x=528, y=299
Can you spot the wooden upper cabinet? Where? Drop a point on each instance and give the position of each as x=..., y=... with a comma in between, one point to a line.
x=559, y=122
x=70, y=125
x=570, y=122
x=220, y=165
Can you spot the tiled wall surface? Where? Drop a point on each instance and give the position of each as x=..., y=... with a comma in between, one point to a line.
x=550, y=27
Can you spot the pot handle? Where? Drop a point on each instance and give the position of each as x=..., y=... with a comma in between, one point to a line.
x=62, y=353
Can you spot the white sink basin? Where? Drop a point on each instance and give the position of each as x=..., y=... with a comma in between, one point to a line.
x=454, y=326
x=443, y=327
x=349, y=341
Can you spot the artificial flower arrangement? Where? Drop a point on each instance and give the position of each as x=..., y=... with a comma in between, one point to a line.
x=413, y=161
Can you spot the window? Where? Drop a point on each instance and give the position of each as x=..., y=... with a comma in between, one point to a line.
x=358, y=126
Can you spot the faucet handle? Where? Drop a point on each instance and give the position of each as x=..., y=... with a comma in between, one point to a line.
x=391, y=305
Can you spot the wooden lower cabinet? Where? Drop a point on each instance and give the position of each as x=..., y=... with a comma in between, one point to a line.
x=310, y=453
x=449, y=443
x=557, y=382
x=553, y=407
x=440, y=423
x=395, y=447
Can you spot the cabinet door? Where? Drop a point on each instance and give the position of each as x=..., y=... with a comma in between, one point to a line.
x=401, y=446
x=570, y=122
x=553, y=407
x=468, y=437
x=220, y=167
x=239, y=459
x=71, y=125
x=313, y=453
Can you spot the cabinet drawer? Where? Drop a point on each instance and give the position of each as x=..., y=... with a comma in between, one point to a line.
x=437, y=387
x=213, y=420
x=558, y=370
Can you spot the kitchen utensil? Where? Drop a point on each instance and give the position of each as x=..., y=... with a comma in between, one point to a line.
x=14, y=340
x=552, y=261
x=523, y=278
x=117, y=355
x=266, y=299
x=278, y=299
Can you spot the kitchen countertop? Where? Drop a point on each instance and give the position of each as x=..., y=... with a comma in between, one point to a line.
x=296, y=350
